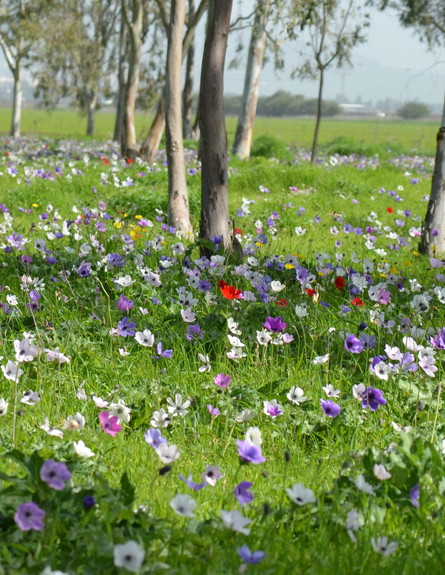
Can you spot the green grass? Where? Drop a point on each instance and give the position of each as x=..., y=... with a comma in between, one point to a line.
x=77, y=315
x=396, y=135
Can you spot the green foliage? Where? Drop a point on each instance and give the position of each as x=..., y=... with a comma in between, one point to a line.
x=270, y=147
x=413, y=111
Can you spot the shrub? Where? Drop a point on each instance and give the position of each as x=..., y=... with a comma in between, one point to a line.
x=413, y=111
x=271, y=147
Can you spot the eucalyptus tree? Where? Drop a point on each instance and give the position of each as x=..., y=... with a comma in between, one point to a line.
x=427, y=18
x=150, y=145
x=20, y=30
x=244, y=130
x=214, y=221
x=178, y=205
x=76, y=54
x=333, y=29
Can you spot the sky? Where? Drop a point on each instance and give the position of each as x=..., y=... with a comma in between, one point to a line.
x=393, y=63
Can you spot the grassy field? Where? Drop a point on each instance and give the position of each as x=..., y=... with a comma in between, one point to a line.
x=398, y=135
x=154, y=419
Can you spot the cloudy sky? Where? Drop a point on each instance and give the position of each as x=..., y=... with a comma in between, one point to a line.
x=392, y=63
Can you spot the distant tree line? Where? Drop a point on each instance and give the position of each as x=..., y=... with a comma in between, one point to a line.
x=281, y=104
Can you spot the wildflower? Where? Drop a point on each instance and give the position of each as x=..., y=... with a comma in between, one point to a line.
x=194, y=332
x=229, y=292
x=154, y=437
x=74, y=422
x=253, y=435
x=242, y=493
x=330, y=391
x=145, y=338
x=248, y=556
x=126, y=327
x=168, y=453
x=235, y=521
x=301, y=495
x=321, y=359
x=222, y=380
x=190, y=483
x=183, y=505
x=263, y=337
x=330, y=408
x=55, y=474
x=339, y=283
x=250, y=452
x=274, y=324
x=353, y=523
x=296, y=395
x=11, y=371
x=382, y=546
x=29, y=516
x=3, y=407
x=272, y=408
x=380, y=368
x=160, y=419
x=211, y=474
x=213, y=410
x=353, y=344
x=373, y=398
x=167, y=354
x=414, y=495
x=178, y=407
x=24, y=350
x=363, y=485
x=129, y=555
x=50, y=430
x=56, y=355
x=82, y=450
x=109, y=423
x=357, y=302
x=99, y=402
x=188, y=315
x=380, y=472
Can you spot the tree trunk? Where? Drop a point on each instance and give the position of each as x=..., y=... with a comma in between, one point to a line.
x=243, y=136
x=187, y=93
x=120, y=104
x=214, y=185
x=150, y=146
x=129, y=144
x=91, y=113
x=17, y=99
x=433, y=233
x=178, y=206
x=318, y=118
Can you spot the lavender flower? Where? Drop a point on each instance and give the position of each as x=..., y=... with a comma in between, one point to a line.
x=55, y=474
x=249, y=452
x=248, y=556
x=190, y=483
x=29, y=516
x=242, y=493
x=222, y=380
x=126, y=327
x=330, y=408
x=274, y=324
x=353, y=344
x=373, y=398
x=124, y=303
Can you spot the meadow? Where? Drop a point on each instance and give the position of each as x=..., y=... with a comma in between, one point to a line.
x=370, y=136
x=163, y=412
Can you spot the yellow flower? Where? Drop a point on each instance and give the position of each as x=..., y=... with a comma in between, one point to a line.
x=35, y=205
x=393, y=270
x=408, y=263
x=415, y=253
x=289, y=266
x=138, y=217
x=118, y=225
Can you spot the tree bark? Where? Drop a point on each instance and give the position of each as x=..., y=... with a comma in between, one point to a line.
x=187, y=93
x=129, y=144
x=178, y=206
x=433, y=232
x=318, y=118
x=120, y=104
x=91, y=111
x=150, y=146
x=17, y=100
x=243, y=136
x=214, y=184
